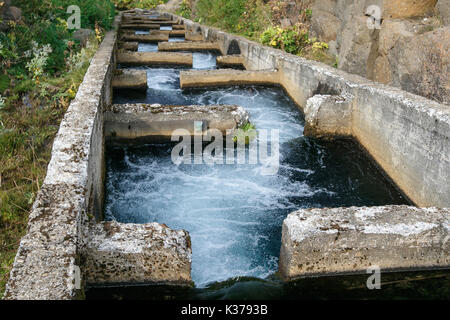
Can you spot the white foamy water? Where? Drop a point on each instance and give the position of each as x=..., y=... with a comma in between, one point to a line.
x=232, y=212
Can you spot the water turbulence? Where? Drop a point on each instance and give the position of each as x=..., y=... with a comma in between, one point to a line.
x=234, y=213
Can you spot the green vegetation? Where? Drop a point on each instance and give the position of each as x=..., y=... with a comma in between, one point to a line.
x=260, y=21
x=247, y=132
x=244, y=17
x=185, y=10
x=41, y=67
x=141, y=4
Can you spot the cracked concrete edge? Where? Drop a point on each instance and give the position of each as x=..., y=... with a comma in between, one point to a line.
x=117, y=253
x=46, y=264
x=349, y=240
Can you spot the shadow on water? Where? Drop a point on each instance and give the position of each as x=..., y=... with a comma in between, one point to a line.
x=429, y=285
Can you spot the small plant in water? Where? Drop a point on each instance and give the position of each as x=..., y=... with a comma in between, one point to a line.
x=247, y=131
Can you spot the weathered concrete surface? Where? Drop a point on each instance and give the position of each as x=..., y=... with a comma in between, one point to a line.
x=48, y=256
x=234, y=60
x=140, y=26
x=146, y=38
x=194, y=37
x=149, y=21
x=129, y=46
x=226, y=77
x=328, y=116
x=349, y=240
x=157, y=122
x=149, y=58
x=189, y=46
x=130, y=79
x=117, y=253
x=406, y=134
x=175, y=33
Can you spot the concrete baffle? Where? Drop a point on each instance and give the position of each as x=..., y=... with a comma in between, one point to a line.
x=350, y=240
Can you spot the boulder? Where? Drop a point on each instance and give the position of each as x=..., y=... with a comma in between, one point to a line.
x=325, y=25
x=421, y=64
x=355, y=44
x=9, y=14
x=83, y=35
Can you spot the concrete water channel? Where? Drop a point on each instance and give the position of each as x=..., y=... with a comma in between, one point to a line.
x=362, y=178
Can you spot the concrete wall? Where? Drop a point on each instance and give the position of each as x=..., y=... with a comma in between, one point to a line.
x=47, y=261
x=406, y=134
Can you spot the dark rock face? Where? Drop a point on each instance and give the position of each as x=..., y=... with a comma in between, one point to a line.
x=8, y=14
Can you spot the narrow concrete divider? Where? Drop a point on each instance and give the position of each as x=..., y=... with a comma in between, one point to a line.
x=190, y=36
x=351, y=240
x=234, y=60
x=147, y=26
x=156, y=123
x=147, y=21
x=189, y=46
x=151, y=58
x=178, y=27
x=175, y=33
x=130, y=79
x=145, y=38
x=118, y=253
x=129, y=46
x=226, y=77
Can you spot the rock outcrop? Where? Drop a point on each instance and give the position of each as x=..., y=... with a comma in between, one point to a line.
x=407, y=47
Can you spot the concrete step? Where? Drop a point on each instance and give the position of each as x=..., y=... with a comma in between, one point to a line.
x=227, y=77
x=145, y=38
x=130, y=46
x=234, y=60
x=334, y=241
x=127, y=253
x=156, y=123
x=189, y=46
x=179, y=27
x=146, y=21
x=151, y=58
x=130, y=79
x=178, y=33
x=138, y=26
x=194, y=37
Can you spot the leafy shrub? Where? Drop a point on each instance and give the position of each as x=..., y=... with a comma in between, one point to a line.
x=39, y=59
x=296, y=40
x=141, y=4
x=292, y=39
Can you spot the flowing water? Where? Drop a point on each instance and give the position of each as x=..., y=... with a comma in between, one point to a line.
x=234, y=213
